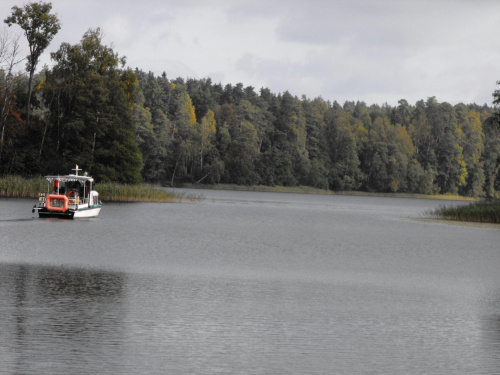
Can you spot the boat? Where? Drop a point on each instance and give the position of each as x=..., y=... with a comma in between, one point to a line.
x=69, y=196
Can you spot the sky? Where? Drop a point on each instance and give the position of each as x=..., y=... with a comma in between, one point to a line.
x=376, y=51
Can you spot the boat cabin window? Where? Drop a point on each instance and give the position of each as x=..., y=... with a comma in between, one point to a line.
x=72, y=185
x=75, y=186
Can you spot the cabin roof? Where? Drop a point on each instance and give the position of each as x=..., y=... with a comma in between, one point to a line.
x=69, y=177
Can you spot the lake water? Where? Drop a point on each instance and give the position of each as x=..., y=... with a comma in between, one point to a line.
x=249, y=283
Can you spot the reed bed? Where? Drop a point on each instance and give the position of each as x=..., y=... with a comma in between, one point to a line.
x=113, y=192
x=21, y=187
x=479, y=212
x=311, y=190
x=259, y=188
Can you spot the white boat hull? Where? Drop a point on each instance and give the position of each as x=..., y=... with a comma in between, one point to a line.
x=86, y=213
x=72, y=213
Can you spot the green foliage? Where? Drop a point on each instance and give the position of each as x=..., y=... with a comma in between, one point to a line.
x=491, y=157
x=91, y=104
x=345, y=172
x=131, y=126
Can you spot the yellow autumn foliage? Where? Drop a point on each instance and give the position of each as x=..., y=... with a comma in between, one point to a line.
x=190, y=109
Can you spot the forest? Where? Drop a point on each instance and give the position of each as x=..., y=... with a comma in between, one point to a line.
x=130, y=126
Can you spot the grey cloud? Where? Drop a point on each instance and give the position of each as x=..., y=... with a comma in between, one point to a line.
x=373, y=50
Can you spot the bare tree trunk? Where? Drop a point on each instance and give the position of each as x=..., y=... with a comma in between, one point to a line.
x=201, y=151
x=11, y=60
x=30, y=91
x=201, y=157
x=201, y=179
x=12, y=162
x=1, y=141
x=58, y=124
x=43, y=140
x=3, y=121
x=173, y=174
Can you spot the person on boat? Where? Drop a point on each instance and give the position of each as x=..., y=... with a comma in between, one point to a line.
x=56, y=185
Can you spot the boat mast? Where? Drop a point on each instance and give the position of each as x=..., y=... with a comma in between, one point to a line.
x=76, y=170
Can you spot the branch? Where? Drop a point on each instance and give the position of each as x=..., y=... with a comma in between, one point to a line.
x=201, y=179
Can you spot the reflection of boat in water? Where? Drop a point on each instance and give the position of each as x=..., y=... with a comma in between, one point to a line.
x=71, y=196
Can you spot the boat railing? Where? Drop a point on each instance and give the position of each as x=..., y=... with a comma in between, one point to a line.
x=78, y=200
x=73, y=200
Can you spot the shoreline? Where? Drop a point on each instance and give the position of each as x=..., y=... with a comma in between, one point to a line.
x=23, y=188
x=20, y=187
x=30, y=188
x=310, y=190
x=467, y=224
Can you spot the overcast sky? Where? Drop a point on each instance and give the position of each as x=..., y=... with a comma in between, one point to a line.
x=375, y=51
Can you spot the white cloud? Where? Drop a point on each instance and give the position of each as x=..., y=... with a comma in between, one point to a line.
x=118, y=29
x=377, y=51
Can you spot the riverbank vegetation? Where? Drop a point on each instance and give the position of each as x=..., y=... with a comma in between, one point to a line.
x=129, y=126
x=114, y=192
x=311, y=190
x=480, y=212
x=20, y=187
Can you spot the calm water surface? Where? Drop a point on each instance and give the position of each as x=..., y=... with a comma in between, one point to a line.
x=249, y=283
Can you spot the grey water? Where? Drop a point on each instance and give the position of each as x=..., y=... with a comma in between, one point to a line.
x=249, y=283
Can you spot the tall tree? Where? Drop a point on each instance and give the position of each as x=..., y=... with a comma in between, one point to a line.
x=450, y=167
x=491, y=157
x=344, y=173
x=181, y=114
x=207, y=134
x=471, y=141
x=39, y=28
x=95, y=108
x=496, y=103
x=289, y=142
x=402, y=114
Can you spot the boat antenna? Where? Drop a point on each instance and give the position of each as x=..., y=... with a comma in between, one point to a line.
x=76, y=169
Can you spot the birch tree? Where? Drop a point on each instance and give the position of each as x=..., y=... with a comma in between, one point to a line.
x=39, y=28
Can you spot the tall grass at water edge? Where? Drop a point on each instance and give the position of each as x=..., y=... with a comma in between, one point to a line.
x=113, y=192
x=311, y=190
x=479, y=212
x=20, y=187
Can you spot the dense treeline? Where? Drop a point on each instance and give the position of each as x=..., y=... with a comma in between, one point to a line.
x=239, y=136
x=131, y=126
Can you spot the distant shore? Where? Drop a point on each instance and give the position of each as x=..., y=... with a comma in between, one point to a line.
x=19, y=187
x=311, y=190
